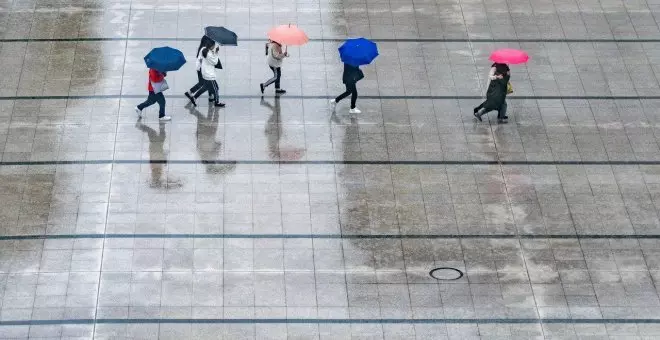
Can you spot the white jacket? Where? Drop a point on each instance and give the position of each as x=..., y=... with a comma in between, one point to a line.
x=208, y=64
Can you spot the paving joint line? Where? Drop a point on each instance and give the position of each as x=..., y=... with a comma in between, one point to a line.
x=324, y=236
x=294, y=96
x=324, y=162
x=420, y=40
x=329, y=321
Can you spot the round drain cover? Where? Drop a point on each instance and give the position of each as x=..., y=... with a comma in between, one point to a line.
x=446, y=273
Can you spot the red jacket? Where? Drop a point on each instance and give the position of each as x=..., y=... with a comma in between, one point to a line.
x=154, y=77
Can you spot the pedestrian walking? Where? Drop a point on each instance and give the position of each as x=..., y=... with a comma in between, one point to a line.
x=498, y=88
x=352, y=74
x=209, y=62
x=199, y=88
x=274, y=57
x=156, y=86
x=204, y=42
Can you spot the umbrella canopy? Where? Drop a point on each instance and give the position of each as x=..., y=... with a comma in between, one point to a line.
x=358, y=51
x=221, y=35
x=288, y=35
x=509, y=56
x=165, y=59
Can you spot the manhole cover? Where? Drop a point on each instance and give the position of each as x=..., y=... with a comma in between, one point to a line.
x=446, y=273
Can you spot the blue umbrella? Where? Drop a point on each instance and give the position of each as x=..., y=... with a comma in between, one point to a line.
x=358, y=51
x=165, y=59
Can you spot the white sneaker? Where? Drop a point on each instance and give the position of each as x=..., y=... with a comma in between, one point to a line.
x=165, y=118
x=333, y=103
x=139, y=112
x=355, y=111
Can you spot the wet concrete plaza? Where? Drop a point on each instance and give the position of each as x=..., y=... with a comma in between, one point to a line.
x=277, y=218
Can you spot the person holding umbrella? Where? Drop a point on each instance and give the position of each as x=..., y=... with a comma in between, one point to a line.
x=496, y=95
x=499, y=85
x=160, y=61
x=274, y=57
x=205, y=42
x=352, y=74
x=209, y=60
x=278, y=36
x=354, y=52
x=155, y=96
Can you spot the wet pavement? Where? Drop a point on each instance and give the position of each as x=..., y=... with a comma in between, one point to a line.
x=277, y=218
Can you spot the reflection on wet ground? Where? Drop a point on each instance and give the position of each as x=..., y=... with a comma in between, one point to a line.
x=277, y=217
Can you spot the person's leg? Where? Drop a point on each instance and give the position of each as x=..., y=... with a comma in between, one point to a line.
x=199, y=85
x=476, y=109
x=278, y=75
x=343, y=95
x=160, y=99
x=481, y=111
x=354, y=96
x=201, y=90
x=501, y=113
x=217, y=94
x=212, y=87
x=151, y=99
x=273, y=79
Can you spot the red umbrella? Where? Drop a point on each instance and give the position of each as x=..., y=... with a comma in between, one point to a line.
x=509, y=56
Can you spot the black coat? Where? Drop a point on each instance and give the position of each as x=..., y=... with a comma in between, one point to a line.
x=352, y=74
x=496, y=93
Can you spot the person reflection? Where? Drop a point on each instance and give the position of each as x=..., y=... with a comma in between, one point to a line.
x=156, y=151
x=352, y=208
x=273, y=128
x=274, y=134
x=207, y=146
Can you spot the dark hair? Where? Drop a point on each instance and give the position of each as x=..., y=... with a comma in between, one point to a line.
x=502, y=69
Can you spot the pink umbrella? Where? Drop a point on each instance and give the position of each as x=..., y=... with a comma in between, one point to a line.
x=288, y=35
x=509, y=56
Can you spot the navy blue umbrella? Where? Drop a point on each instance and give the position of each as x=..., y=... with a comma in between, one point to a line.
x=358, y=51
x=221, y=35
x=165, y=59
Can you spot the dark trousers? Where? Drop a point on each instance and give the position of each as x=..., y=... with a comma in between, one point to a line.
x=277, y=74
x=501, y=113
x=199, y=85
x=212, y=87
x=350, y=90
x=152, y=99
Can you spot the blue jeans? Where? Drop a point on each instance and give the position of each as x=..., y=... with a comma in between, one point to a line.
x=152, y=99
x=501, y=113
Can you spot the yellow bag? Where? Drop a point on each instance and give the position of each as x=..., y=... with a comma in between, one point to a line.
x=509, y=88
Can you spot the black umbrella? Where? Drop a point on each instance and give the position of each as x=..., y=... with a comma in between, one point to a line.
x=221, y=35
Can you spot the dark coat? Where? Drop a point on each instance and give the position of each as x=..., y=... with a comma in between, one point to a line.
x=496, y=93
x=352, y=74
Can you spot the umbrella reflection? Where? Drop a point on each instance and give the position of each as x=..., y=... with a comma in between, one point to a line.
x=157, y=156
x=208, y=147
x=274, y=135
